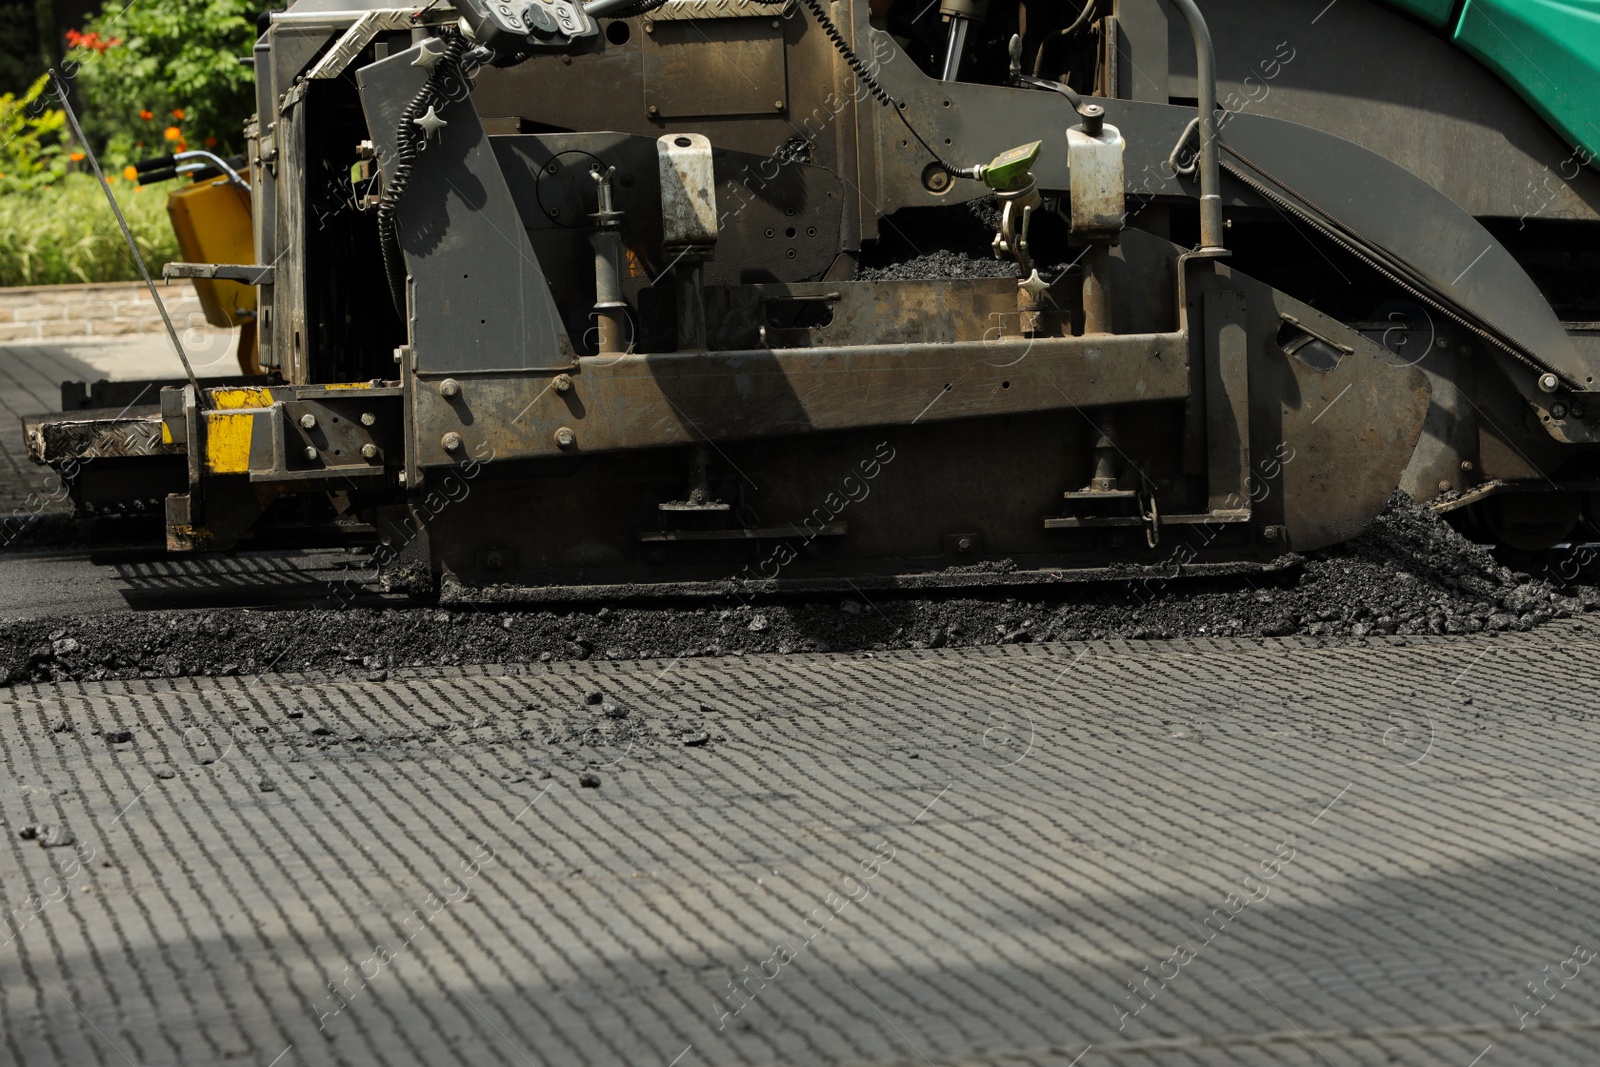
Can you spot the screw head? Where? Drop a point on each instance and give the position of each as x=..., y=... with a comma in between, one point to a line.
x=1444, y=485
x=368, y=418
x=1269, y=534
x=311, y=453
x=1577, y=411
x=494, y=560
x=778, y=104
x=1466, y=465
x=563, y=383
x=308, y=421
x=964, y=544
x=1549, y=382
x=451, y=441
x=369, y=450
x=654, y=111
x=1558, y=410
x=449, y=387
x=565, y=438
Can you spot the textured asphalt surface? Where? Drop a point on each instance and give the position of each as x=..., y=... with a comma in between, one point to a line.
x=1224, y=851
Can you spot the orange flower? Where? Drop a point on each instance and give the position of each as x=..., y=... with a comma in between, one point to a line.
x=172, y=133
x=177, y=113
x=147, y=115
x=183, y=146
x=130, y=173
x=211, y=142
x=76, y=157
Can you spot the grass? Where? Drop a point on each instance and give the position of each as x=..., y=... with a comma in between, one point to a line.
x=65, y=232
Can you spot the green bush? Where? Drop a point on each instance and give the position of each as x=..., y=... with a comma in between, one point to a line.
x=65, y=232
x=171, y=79
x=30, y=132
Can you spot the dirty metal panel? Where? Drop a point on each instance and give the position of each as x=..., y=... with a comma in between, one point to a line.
x=648, y=401
x=479, y=296
x=61, y=440
x=700, y=68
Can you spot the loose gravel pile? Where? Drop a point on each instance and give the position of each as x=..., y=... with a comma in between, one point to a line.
x=1409, y=573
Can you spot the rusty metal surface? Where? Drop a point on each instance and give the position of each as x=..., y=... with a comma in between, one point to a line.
x=625, y=402
x=722, y=66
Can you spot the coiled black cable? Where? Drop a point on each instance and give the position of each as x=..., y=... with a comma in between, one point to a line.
x=843, y=48
x=407, y=139
x=634, y=10
x=863, y=72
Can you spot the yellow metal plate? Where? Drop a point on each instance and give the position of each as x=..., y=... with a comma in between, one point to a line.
x=241, y=398
x=228, y=441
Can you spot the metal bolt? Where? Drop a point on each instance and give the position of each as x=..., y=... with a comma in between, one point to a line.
x=1444, y=485
x=451, y=441
x=964, y=544
x=1549, y=382
x=776, y=24
x=368, y=418
x=565, y=438
x=654, y=111
x=778, y=104
x=311, y=453
x=369, y=450
x=494, y=560
x=1269, y=534
x=308, y=421
x=1442, y=343
x=449, y=387
x=1558, y=410
x=1466, y=465
x=563, y=382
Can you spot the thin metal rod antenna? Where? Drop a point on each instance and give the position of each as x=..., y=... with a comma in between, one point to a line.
x=172, y=332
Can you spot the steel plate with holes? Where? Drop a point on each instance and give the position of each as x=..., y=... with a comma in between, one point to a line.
x=747, y=75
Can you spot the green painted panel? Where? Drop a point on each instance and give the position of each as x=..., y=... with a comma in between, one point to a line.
x=1434, y=12
x=1549, y=51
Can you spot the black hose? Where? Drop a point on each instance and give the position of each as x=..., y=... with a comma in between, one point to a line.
x=407, y=138
x=1077, y=24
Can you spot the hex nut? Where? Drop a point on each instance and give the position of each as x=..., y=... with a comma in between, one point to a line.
x=451, y=441
x=368, y=418
x=1549, y=382
x=449, y=387
x=369, y=450
x=308, y=421
x=563, y=383
x=565, y=438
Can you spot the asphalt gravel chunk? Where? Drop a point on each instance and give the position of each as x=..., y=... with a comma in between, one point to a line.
x=1408, y=573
